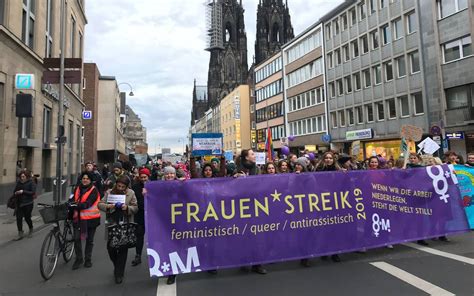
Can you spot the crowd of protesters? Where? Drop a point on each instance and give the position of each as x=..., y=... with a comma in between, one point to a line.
x=93, y=186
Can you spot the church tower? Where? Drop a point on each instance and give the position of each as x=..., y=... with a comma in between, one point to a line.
x=227, y=43
x=273, y=28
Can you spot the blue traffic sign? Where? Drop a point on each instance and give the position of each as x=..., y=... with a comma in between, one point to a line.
x=86, y=114
x=24, y=81
x=326, y=138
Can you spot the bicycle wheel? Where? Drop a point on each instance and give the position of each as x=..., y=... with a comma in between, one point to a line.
x=49, y=255
x=68, y=239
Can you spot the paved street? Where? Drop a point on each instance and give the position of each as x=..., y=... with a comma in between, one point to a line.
x=402, y=271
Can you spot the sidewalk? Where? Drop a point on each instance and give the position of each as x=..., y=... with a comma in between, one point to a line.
x=8, y=229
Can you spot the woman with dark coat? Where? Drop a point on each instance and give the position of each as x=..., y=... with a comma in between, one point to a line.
x=86, y=218
x=116, y=213
x=144, y=175
x=247, y=166
x=328, y=163
x=25, y=191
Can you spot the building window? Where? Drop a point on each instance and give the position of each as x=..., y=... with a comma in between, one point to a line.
x=404, y=106
x=49, y=29
x=28, y=23
x=412, y=22
x=25, y=127
x=337, y=52
x=457, y=49
x=365, y=44
x=355, y=48
x=274, y=88
x=449, y=7
x=340, y=87
x=334, y=119
x=362, y=10
x=397, y=28
x=330, y=61
x=328, y=31
x=388, y=71
x=418, y=103
x=360, y=115
x=380, y=111
x=373, y=6
x=342, y=119
x=336, y=26
x=2, y=11
x=458, y=97
x=374, y=37
x=73, y=37
x=332, y=90
x=367, y=82
x=269, y=69
x=357, y=84
x=414, y=62
x=2, y=100
x=47, y=120
x=81, y=41
x=401, y=67
x=377, y=74
x=385, y=31
x=383, y=3
x=304, y=73
x=350, y=116
x=300, y=49
x=344, y=21
x=353, y=15
x=348, y=82
x=392, y=110
x=369, y=110
x=345, y=49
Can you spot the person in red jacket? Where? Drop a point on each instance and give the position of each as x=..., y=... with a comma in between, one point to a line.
x=86, y=218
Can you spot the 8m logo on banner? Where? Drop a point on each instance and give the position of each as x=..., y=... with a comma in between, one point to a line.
x=440, y=177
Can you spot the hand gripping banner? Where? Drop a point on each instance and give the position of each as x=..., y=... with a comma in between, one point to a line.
x=205, y=224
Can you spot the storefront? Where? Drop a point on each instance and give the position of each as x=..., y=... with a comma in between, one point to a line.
x=462, y=142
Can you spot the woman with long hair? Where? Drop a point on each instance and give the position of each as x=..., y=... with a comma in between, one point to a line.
x=283, y=167
x=24, y=192
x=116, y=213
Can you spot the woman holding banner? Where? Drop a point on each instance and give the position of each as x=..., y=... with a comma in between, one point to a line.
x=117, y=212
x=247, y=166
x=270, y=169
x=328, y=163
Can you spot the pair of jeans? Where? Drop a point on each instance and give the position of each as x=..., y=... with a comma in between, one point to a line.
x=140, y=237
x=24, y=212
x=118, y=256
x=89, y=243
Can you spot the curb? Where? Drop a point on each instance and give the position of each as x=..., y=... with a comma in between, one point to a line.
x=35, y=230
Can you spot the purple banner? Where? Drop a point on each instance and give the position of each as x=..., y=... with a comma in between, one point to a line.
x=205, y=224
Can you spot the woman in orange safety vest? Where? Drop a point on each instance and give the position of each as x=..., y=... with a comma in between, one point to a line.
x=86, y=218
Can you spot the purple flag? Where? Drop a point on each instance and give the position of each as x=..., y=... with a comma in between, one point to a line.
x=205, y=224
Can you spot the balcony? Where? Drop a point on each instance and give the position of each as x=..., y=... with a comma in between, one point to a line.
x=460, y=116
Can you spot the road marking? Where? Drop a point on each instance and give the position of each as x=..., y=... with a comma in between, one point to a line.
x=165, y=290
x=441, y=253
x=412, y=279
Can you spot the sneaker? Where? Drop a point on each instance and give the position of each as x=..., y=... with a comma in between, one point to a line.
x=389, y=246
x=259, y=269
x=212, y=271
x=422, y=242
x=171, y=280
x=137, y=260
x=335, y=258
x=444, y=239
x=77, y=264
x=88, y=264
x=30, y=233
x=20, y=236
x=305, y=262
x=118, y=279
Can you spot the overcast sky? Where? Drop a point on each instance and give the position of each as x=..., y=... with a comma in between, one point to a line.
x=158, y=47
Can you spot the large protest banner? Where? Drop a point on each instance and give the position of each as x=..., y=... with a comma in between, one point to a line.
x=205, y=224
x=466, y=185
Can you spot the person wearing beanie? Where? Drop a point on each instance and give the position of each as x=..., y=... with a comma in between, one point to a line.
x=169, y=173
x=86, y=219
x=301, y=165
x=117, y=172
x=116, y=213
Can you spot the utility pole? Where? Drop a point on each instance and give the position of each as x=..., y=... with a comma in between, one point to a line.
x=60, y=138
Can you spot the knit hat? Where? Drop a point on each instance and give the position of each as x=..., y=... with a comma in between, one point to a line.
x=215, y=159
x=169, y=170
x=145, y=171
x=303, y=161
x=117, y=165
x=343, y=158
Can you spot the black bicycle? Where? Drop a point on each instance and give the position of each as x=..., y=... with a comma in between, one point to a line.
x=58, y=240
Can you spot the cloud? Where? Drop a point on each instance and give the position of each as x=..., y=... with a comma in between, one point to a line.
x=158, y=47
